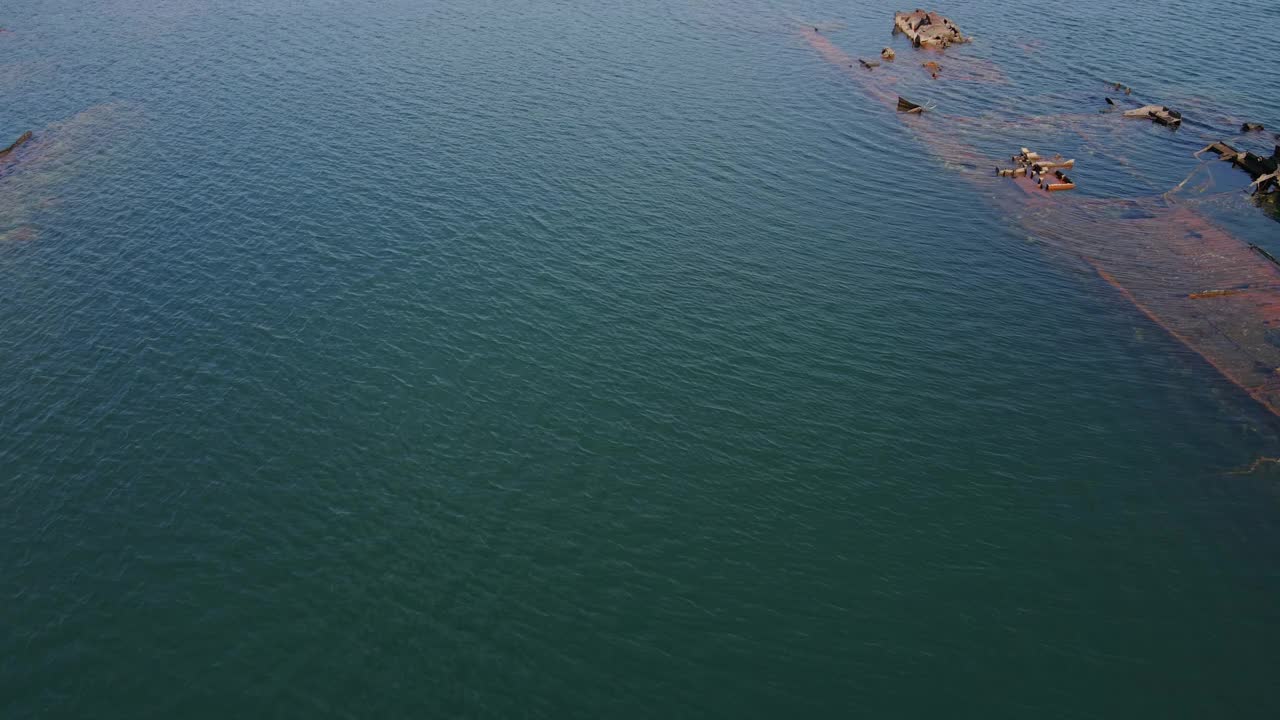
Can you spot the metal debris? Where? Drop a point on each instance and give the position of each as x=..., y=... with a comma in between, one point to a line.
x=906, y=106
x=1157, y=113
x=1265, y=171
x=1154, y=253
x=1046, y=174
x=1264, y=254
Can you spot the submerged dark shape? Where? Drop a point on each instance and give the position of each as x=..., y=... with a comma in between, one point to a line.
x=1157, y=113
x=1251, y=127
x=24, y=137
x=868, y=65
x=1220, y=148
x=928, y=29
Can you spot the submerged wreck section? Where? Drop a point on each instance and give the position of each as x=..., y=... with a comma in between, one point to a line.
x=1215, y=293
x=928, y=29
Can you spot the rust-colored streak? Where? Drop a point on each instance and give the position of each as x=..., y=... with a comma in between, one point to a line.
x=1159, y=256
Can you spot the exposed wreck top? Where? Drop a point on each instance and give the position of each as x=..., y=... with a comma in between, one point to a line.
x=1158, y=113
x=928, y=29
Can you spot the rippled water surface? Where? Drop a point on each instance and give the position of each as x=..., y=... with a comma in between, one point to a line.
x=605, y=359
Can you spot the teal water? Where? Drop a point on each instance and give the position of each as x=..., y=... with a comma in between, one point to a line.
x=584, y=359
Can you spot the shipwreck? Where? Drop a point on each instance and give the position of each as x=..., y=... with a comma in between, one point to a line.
x=928, y=29
x=1265, y=171
x=1209, y=289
